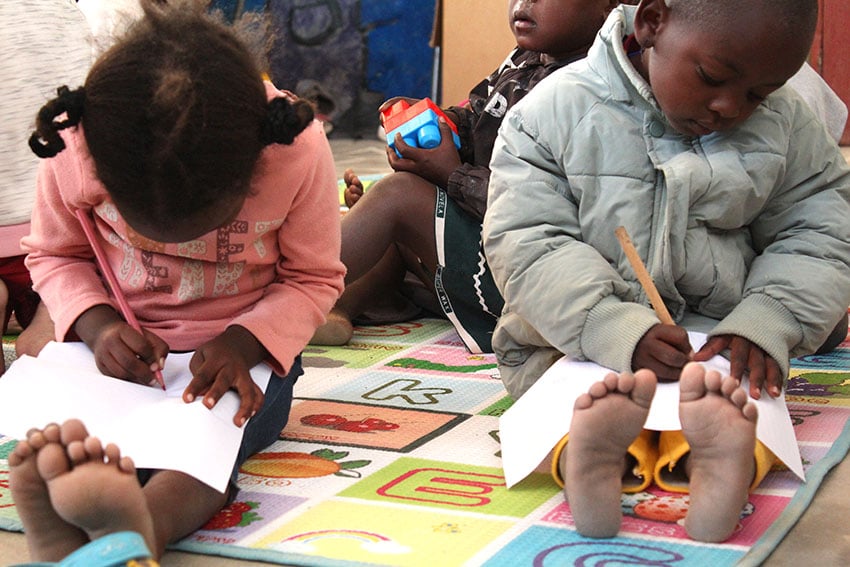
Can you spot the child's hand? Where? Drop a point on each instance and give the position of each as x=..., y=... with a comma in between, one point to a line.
x=223, y=364
x=664, y=349
x=434, y=165
x=746, y=356
x=119, y=350
x=353, y=188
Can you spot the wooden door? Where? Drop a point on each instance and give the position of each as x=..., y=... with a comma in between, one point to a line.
x=831, y=51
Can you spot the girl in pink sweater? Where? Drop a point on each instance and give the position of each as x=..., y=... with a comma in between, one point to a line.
x=214, y=196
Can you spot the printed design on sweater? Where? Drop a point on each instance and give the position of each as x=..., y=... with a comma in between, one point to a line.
x=191, y=281
x=262, y=229
x=154, y=273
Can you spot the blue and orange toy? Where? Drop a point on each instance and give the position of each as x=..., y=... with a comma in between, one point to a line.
x=418, y=124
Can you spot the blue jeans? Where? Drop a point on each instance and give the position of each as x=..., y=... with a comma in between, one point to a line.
x=264, y=428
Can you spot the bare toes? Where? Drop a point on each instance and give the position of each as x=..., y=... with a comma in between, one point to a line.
x=714, y=381
x=52, y=461
x=39, y=438
x=127, y=465
x=52, y=433
x=729, y=386
x=94, y=449
x=73, y=430
x=692, y=382
x=738, y=396
x=625, y=383
x=644, y=384
x=601, y=389
x=112, y=453
x=22, y=451
x=584, y=401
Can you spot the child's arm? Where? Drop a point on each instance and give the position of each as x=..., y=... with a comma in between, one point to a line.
x=467, y=185
x=309, y=273
x=799, y=284
x=559, y=290
x=65, y=274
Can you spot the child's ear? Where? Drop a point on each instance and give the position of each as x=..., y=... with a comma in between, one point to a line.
x=650, y=18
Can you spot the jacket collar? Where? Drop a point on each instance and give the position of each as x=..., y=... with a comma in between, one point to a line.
x=625, y=83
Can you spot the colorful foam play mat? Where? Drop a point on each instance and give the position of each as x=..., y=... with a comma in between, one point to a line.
x=391, y=457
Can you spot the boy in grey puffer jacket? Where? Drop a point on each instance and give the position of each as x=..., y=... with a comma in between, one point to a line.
x=676, y=127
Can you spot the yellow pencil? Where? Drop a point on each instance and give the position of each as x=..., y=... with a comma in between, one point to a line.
x=643, y=276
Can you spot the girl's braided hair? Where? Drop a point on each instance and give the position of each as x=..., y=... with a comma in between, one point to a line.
x=175, y=115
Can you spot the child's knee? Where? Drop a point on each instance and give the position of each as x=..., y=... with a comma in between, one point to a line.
x=4, y=302
x=37, y=334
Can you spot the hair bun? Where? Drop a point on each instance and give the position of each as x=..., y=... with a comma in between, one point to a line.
x=285, y=120
x=46, y=142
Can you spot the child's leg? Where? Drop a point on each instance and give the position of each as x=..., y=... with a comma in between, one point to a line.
x=372, y=289
x=49, y=537
x=179, y=504
x=605, y=422
x=719, y=423
x=398, y=209
x=4, y=305
x=37, y=334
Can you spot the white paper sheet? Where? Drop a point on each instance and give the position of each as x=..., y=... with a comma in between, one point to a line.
x=530, y=428
x=154, y=427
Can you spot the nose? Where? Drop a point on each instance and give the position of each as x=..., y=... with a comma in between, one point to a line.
x=726, y=104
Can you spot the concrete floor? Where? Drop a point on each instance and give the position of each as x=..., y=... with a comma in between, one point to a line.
x=821, y=537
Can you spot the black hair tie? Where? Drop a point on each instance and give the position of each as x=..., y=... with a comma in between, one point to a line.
x=46, y=142
x=285, y=120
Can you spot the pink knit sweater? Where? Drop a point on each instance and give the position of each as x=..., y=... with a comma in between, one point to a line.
x=275, y=270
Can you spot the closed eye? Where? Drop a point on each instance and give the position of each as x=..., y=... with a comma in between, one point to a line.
x=708, y=79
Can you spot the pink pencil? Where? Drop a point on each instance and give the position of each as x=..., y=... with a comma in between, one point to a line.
x=106, y=270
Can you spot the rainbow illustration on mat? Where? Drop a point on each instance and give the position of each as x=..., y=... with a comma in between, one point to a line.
x=368, y=541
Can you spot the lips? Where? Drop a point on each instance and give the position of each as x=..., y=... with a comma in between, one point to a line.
x=522, y=21
x=700, y=129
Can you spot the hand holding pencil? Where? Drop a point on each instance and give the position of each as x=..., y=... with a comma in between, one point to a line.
x=122, y=348
x=665, y=348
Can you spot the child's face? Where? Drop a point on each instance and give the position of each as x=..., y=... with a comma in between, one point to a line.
x=558, y=28
x=707, y=81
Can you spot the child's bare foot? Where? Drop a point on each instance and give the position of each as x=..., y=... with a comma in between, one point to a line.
x=719, y=423
x=49, y=537
x=93, y=487
x=353, y=188
x=336, y=331
x=605, y=422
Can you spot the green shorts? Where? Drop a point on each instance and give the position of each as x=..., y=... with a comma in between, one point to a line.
x=465, y=287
